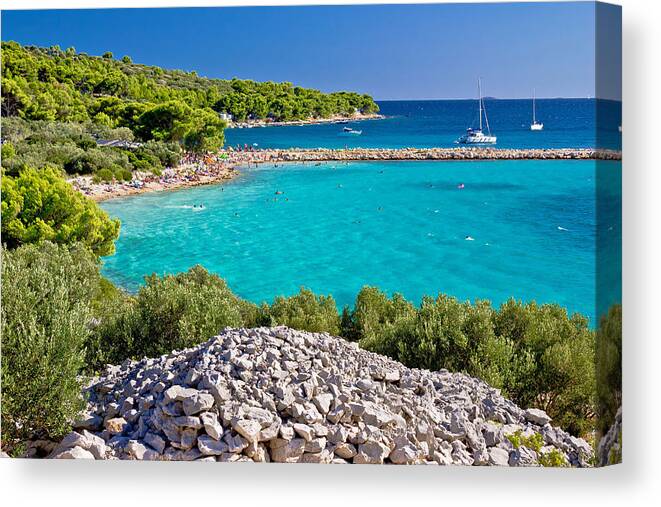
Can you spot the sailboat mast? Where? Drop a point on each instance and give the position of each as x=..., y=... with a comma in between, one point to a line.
x=533, y=106
x=479, y=94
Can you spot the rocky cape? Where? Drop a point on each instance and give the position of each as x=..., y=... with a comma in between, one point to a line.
x=280, y=395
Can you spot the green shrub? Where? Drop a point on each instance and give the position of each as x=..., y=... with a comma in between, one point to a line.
x=538, y=355
x=106, y=175
x=553, y=458
x=168, y=313
x=374, y=316
x=554, y=368
x=122, y=174
x=305, y=311
x=46, y=291
x=534, y=441
x=39, y=205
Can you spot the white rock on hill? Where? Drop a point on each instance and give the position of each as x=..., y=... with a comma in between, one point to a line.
x=276, y=394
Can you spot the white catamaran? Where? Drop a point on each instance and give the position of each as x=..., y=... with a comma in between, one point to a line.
x=476, y=136
x=535, y=125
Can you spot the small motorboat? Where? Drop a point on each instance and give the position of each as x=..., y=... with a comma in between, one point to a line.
x=348, y=131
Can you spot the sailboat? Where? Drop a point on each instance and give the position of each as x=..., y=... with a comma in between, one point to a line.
x=535, y=125
x=477, y=136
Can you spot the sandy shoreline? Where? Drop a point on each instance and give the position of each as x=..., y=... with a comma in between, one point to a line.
x=209, y=169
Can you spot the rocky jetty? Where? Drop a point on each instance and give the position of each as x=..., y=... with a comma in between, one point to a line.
x=385, y=154
x=280, y=395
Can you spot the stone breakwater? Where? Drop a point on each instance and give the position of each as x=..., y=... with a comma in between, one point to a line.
x=280, y=395
x=395, y=154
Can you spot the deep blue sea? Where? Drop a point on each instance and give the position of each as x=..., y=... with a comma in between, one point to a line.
x=568, y=123
x=522, y=229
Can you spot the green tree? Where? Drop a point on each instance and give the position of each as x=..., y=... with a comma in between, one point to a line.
x=205, y=131
x=41, y=206
x=46, y=291
x=306, y=311
x=168, y=313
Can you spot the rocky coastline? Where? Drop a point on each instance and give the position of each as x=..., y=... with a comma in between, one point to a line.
x=280, y=395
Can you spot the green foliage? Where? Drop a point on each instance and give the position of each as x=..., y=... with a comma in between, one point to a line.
x=46, y=291
x=375, y=315
x=168, y=313
x=608, y=360
x=49, y=84
x=538, y=355
x=41, y=206
x=305, y=311
x=553, y=458
x=199, y=130
x=8, y=152
x=72, y=147
x=534, y=441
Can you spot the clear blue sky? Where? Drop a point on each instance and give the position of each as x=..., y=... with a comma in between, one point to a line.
x=389, y=51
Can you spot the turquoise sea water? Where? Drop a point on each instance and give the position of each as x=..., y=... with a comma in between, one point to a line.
x=401, y=226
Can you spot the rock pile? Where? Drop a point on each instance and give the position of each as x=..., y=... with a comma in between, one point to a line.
x=280, y=395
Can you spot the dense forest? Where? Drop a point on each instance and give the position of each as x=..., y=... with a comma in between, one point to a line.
x=56, y=105
x=51, y=84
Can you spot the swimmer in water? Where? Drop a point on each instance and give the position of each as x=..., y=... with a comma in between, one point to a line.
x=460, y=186
x=469, y=238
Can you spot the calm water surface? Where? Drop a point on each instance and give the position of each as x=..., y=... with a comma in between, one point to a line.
x=568, y=123
x=402, y=226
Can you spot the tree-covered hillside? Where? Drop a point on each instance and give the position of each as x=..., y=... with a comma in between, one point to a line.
x=51, y=84
x=57, y=104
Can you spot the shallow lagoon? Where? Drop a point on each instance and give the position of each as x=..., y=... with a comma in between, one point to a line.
x=401, y=226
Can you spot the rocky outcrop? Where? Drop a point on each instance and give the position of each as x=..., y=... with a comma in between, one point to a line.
x=276, y=394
